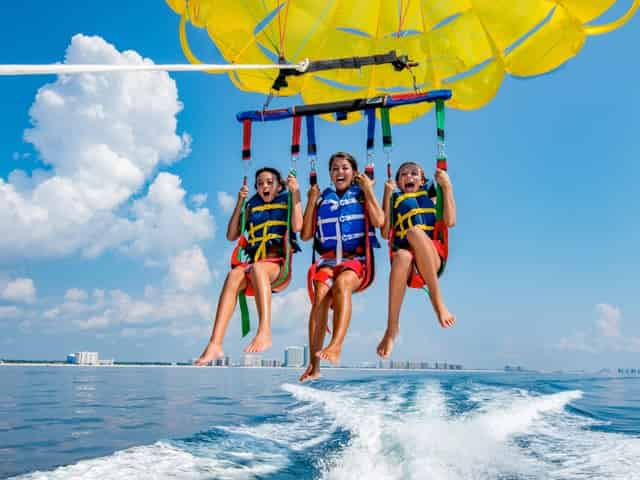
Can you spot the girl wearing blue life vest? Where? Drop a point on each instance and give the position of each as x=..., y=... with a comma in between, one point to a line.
x=410, y=216
x=341, y=221
x=266, y=231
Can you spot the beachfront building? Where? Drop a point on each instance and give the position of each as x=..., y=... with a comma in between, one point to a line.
x=294, y=357
x=251, y=360
x=83, y=358
x=270, y=363
x=87, y=358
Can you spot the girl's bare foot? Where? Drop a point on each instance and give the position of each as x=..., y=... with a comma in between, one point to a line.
x=260, y=343
x=311, y=373
x=446, y=318
x=385, y=347
x=212, y=352
x=331, y=354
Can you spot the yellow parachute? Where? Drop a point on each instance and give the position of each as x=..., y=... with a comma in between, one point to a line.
x=466, y=46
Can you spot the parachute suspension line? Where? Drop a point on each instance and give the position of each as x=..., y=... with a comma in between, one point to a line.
x=402, y=12
x=312, y=149
x=387, y=142
x=282, y=28
x=369, y=169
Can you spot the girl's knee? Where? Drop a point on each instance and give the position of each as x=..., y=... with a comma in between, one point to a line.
x=344, y=283
x=402, y=257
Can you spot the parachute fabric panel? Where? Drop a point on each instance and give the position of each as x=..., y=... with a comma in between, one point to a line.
x=466, y=46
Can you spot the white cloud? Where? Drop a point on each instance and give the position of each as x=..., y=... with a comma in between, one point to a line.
x=162, y=225
x=605, y=336
x=75, y=295
x=226, y=202
x=290, y=310
x=189, y=270
x=103, y=137
x=20, y=290
x=199, y=199
x=608, y=320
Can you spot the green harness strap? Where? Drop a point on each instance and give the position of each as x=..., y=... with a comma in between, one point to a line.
x=441, y=161
x=242, y=298
x=284, y=272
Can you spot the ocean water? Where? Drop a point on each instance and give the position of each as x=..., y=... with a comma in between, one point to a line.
x=232, y=423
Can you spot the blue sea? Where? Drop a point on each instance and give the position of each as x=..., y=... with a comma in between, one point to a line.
x=235, y=423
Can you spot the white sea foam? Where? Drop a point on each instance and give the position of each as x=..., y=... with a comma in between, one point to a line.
x=163, y=460
x=513, y=434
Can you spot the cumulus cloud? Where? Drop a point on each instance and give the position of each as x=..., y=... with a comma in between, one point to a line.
x=608, y=320
x=189, y=270
x=158, y=310
x=20, y=290
x=290, y=311
x=75, y=295
x=103, y=138
x=199, y=199
x=604, y=336
x=226, y=202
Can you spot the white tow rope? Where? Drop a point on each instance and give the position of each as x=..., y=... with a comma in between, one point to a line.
x=66, y=69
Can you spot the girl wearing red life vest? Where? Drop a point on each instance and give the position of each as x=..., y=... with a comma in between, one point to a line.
x=409, y=223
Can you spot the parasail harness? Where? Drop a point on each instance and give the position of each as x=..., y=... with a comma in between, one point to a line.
x=341, y=109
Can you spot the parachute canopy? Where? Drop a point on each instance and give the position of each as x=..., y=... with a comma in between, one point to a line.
x=466, y=46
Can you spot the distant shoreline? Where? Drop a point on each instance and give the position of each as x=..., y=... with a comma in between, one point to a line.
x=68, y=365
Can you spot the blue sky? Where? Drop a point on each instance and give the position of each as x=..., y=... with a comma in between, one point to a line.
x=129, y=260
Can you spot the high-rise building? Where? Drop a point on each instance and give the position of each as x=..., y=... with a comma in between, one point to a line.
x=251, y=360
x=85, y=358
x=294, y=357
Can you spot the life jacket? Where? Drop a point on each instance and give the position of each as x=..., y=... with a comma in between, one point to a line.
x=415, y=209
x=341, y=226
x=266, y=226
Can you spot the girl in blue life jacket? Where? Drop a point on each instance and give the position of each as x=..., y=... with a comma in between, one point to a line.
x=266, y=214
x=410, y=217
x=337, y=220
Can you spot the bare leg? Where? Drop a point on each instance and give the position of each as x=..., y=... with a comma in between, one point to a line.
x=317, y=330
x=234, y=282
x=428, y=262
x=262, y=274
x=400, y=272
x=342, y=289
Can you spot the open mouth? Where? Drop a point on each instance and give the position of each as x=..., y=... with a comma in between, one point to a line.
x=266, y=194
x=409, y=185
x=340, y=179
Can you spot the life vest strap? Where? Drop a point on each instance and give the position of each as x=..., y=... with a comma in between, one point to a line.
x=412, y=213
x=404, y=196
x=269, y=206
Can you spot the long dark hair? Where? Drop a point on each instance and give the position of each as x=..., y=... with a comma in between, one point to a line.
x=273, y=171
x=352, y=161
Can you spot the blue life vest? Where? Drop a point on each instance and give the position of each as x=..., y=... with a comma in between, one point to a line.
x=266, y=226
x=341, y=225
x=409, y=210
